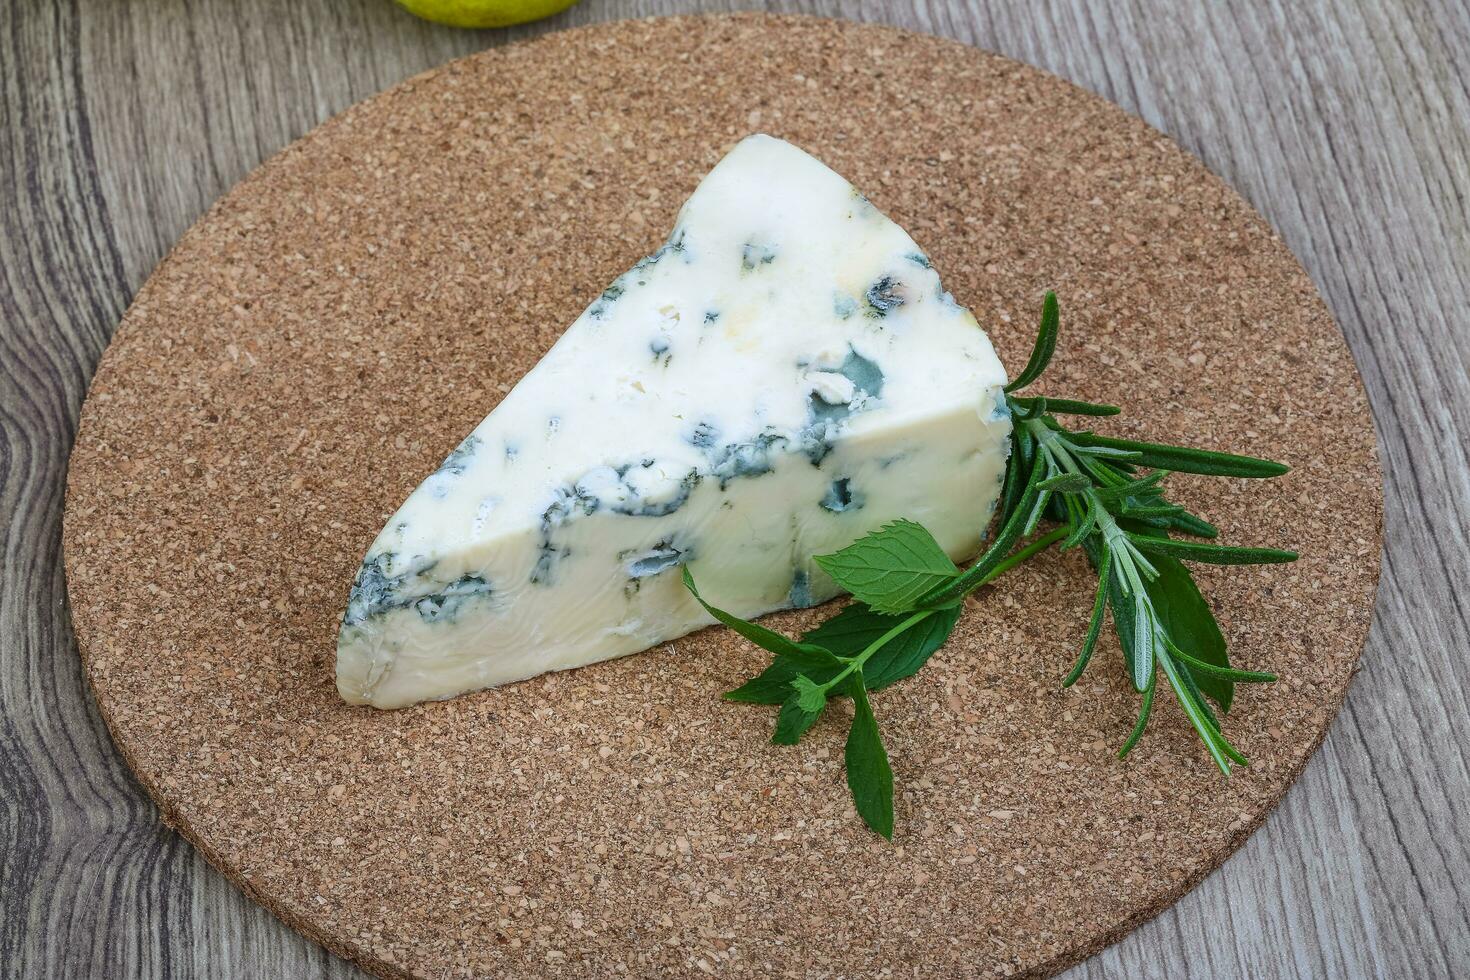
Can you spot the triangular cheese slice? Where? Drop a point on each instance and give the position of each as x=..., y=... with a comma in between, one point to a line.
x=784, y=375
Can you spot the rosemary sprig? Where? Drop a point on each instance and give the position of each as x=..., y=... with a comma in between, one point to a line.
x=907, y=593
x=1124, y=524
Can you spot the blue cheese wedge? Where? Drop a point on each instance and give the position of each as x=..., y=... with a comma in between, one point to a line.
x=782, y=376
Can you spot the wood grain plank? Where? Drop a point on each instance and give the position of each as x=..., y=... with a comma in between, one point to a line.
x=1343, y=122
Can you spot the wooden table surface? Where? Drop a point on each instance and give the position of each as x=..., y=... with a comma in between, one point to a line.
x=1346, y=123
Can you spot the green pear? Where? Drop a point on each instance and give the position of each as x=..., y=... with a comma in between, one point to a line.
x=484, y=13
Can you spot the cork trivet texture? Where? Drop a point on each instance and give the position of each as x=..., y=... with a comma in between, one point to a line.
x=333, y=326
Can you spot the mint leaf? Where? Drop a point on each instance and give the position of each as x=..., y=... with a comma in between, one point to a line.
x=856, y=627
x=754, y=632
x=892, y=568
x=904, y=655
x=850, y=631
x=1190, y=622
x=809, y=694
x=800, y=711
x=869, y=777
x=773, y=685
x=795, y=718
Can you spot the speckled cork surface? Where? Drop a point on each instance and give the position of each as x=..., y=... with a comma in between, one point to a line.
x=334, y=325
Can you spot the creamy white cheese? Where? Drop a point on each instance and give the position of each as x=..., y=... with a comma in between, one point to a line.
x=784, y=375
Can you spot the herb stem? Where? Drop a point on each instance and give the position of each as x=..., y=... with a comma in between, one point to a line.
x=1021, y=555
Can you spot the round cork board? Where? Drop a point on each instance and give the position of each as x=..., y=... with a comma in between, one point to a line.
x=336, y=323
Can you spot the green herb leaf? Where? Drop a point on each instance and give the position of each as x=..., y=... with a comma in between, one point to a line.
x=904, y=656
x=1182, y=459
x=1031, y=408
x=1068, y=406
x=1144, y=710
x=1213, y=554
x=892, y=568
x=1223, y=673
x=1194, y=709
x=1125, y=624
x=1143, y=511
x=1140, y=487
x=1190, y=622
x=1045, y=346
x=754, y=632
x=1188, y=523
x=1094, y=625
x=799, y=712
x=773, y=685
x=1066, y=483
x=856, y=627
x=1018, y=474
x=1145, y=641
x=1189, y=680
x=869, y=777
x=1083, y=524
x=810, y=695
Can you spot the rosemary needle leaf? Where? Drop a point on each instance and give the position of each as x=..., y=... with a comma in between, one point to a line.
x=1082, y=527
x=1139, y=487
x=1224, y=673
x=1145, y=641
x=1018, y=472
x=1188, y=523
x=1195, y=711
x=1144, y=710
x=1212, y=554
x=1066, y=483
x=1189, y=623
x=1182, y=459
x=1037, y=509
x=1068, y=406
x=1045, y=346
x=1025, y=447
x=1114, y=452
x=1236, y=756
x=1094, y=626
x=1032, y=408
x=1191, y=683
x=1151, y=510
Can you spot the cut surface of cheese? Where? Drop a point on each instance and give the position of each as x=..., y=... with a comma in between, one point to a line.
x=782, y=376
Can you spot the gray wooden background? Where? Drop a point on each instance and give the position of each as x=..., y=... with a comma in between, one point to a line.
x=1346, y=122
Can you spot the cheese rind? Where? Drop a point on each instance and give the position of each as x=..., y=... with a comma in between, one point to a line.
x=782, y=376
